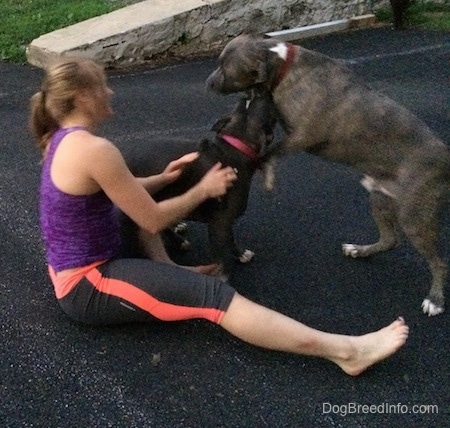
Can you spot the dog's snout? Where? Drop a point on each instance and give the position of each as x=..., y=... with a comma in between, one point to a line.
x=216, y=82
x=212, y=82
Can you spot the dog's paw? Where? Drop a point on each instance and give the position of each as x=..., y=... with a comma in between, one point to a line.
x=181, y=228
x=185, y=245
x=246, y=256
x=351, y=250
x=430, y=308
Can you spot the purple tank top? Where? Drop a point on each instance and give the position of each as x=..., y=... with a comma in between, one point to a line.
x=77, y=230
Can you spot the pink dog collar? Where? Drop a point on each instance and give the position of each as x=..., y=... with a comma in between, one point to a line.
x=241, y=146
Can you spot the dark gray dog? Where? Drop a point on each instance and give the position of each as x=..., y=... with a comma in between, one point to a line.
x=242, y=141
x=326, y=110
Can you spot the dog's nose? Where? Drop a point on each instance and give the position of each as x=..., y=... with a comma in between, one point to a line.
x=210, y=83
x=213, y=82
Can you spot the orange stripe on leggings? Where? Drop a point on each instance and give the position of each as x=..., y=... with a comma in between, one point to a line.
x=141, y=299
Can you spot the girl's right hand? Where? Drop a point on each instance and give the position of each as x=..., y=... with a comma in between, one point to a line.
x=174, y=169
x=218, y=180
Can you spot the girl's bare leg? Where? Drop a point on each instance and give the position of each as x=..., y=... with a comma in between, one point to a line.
x=154, y=249
x=269, y=329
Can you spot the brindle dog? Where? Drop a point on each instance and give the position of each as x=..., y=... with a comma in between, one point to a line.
x=243, y=140
x=326, y=110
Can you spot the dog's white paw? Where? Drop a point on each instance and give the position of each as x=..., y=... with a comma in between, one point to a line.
x=181, y=228
x=246, y=256
x=430, y=308
x=350, y=250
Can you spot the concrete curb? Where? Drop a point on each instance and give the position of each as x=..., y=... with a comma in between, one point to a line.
x=105, y=38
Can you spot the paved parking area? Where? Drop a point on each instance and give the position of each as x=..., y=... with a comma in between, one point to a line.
x=55, y=373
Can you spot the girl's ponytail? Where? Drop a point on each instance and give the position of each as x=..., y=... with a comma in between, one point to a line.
x=41, y=123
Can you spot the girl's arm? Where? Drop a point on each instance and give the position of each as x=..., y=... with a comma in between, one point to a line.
x=108, y=169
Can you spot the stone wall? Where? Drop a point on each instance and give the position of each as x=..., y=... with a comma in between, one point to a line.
x=154, y=31
x=207, y=29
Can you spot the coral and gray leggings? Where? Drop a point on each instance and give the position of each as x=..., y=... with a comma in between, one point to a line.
x=118, y=291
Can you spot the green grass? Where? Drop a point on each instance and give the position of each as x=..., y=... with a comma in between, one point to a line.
x=431, y=16
x=24, y=20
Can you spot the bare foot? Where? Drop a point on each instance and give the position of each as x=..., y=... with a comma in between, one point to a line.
x=213, y=269
x=372, y=348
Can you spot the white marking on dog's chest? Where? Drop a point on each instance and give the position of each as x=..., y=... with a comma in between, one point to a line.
x=371, y=185
x=281, y=50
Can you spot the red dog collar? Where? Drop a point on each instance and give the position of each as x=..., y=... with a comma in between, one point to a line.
x=285, y=66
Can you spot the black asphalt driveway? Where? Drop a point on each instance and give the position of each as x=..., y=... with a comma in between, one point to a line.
x=55, y=373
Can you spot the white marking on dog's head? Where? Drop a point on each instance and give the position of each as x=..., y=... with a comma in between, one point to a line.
x=281, y=50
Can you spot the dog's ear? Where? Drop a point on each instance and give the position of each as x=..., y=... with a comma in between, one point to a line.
x=237, y=116
x=262, y=75
x=263, y=66
x=220, y=124
x=263, y=143
x=259, y=138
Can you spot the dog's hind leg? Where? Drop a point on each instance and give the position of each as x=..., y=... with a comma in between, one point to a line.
x=384, y=212
x=419, y=219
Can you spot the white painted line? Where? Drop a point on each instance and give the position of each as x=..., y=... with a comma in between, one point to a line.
x=321, y=29
x=415, y=51
x=310, y=30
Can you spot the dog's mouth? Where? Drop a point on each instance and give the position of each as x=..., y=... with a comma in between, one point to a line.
x=225, y=85
x=254, y=91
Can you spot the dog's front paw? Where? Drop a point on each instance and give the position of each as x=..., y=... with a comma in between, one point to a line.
x=181, y=228
x=246, y=256
x=430, y=308
x=351, y=250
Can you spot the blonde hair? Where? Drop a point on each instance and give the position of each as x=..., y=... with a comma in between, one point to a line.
x=62, y=81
